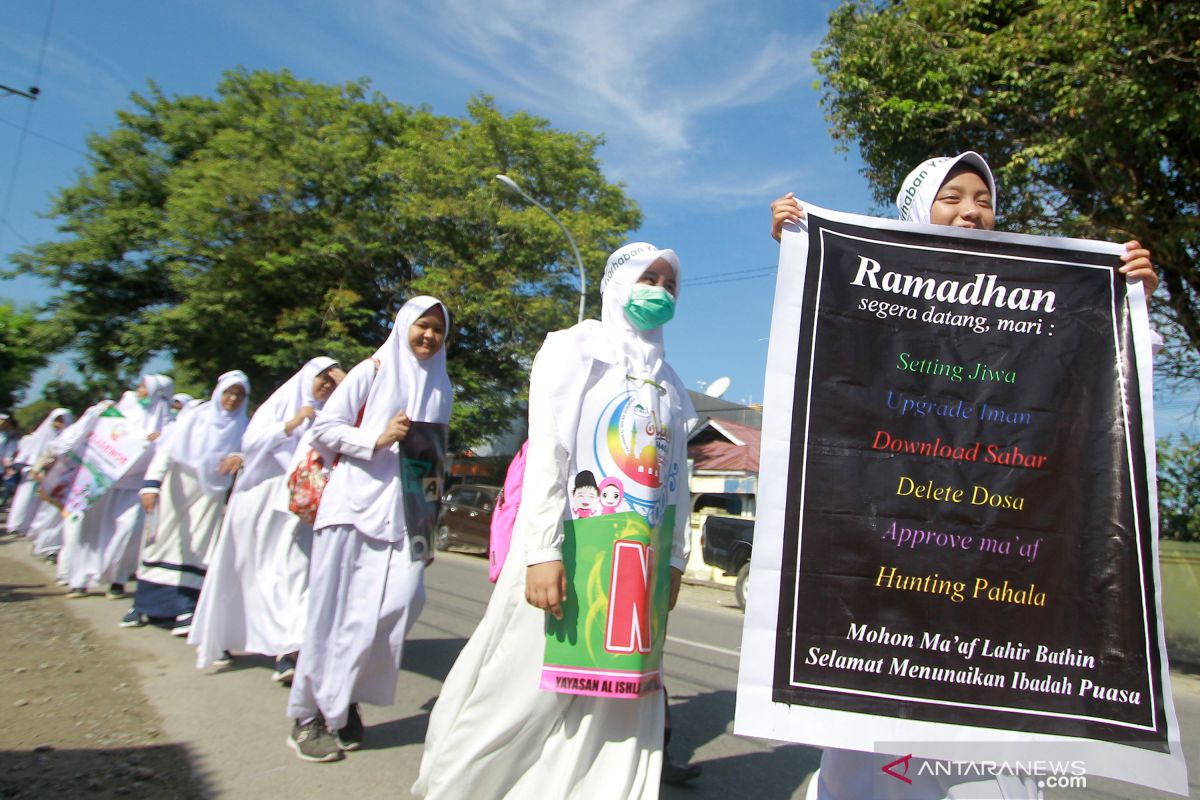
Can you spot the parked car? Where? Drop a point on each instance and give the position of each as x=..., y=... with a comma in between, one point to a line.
x=465, y=517
x=726, y=543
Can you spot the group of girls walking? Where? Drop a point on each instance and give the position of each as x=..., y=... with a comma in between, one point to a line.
x=333, y=601
x=107, y=544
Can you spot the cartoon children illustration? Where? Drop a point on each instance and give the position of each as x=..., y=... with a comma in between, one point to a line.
x=612, y=495
x=586, y=495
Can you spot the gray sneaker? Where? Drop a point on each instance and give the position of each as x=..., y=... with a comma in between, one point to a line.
x=314, y=742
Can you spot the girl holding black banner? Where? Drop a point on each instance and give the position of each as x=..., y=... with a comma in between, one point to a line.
x=366, y=575
x=958, y=191
x=517, y=716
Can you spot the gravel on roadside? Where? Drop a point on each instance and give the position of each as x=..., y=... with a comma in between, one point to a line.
x=75, y=719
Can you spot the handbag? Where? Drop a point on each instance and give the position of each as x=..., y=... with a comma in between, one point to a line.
x=305, y=485
x=307, y=481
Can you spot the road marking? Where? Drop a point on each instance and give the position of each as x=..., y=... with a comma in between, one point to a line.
x=704, y=646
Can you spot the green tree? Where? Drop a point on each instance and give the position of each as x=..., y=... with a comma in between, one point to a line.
x=281, y=219
x=26, y=344
x=1179, y=488
x=1088, y=109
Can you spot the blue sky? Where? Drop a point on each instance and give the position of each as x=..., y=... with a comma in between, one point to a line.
x=708, y=109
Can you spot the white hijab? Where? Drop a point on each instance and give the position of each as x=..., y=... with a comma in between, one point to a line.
x=33, y=445
x=202, y=436
x=919, y=189
x=613, y=340
x=157, y=412
x=271, y=458
x=403, y=382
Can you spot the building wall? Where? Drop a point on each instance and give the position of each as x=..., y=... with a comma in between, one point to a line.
x=1179, y=566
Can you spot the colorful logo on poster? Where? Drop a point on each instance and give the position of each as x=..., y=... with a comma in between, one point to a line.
x=635, y=442
x=632, y=449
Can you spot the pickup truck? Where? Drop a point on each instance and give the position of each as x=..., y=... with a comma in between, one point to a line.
x=726, y=543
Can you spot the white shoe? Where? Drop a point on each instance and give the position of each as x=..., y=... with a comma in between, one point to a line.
x=182, y=626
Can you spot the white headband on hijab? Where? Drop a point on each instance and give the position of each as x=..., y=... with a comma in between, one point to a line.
x=205, y=434
x=266, y=451
x=919, y=189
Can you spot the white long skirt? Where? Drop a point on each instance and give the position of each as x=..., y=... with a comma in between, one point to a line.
x=46, y=530
x=255, y=595
x=495, y=734
x=23, y=506
x=103, y=545
x=364, y=596
x=852, y=775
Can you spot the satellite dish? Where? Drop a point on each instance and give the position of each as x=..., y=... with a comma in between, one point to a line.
x=718, y=387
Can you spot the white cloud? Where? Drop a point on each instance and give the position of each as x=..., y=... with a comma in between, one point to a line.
x=658, y=80
x=647, y=72
x=739, y=192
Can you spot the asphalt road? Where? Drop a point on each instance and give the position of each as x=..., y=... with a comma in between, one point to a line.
x=233, y=726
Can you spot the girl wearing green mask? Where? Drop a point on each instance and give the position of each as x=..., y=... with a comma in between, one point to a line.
x=602, y=400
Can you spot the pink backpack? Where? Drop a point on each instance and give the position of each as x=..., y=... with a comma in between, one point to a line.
x=504, y=516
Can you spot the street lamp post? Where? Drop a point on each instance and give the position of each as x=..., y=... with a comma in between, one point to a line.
x=512, y=186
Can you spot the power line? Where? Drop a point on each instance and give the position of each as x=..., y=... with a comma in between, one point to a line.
x=731, y=277
x=37, y=79
x=731, y=272
x=43, y=137
x=16, y=232
x=37, y=76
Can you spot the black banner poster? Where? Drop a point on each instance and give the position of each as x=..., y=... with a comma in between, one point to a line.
x=965, y=534
x=422, y=469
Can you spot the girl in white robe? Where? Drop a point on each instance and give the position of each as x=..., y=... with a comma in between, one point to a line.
x=102, y=547
x=366, y=583
x=493, y=732
x=184, y=492
x=959, y=191
x=46, y=530
x=26, y=503
x=256, y=591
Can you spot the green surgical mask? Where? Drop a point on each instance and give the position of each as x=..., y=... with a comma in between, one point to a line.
x=649, y=307
x=144, y=402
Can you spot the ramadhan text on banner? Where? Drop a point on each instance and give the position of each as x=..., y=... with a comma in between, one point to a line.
x=955, y=542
